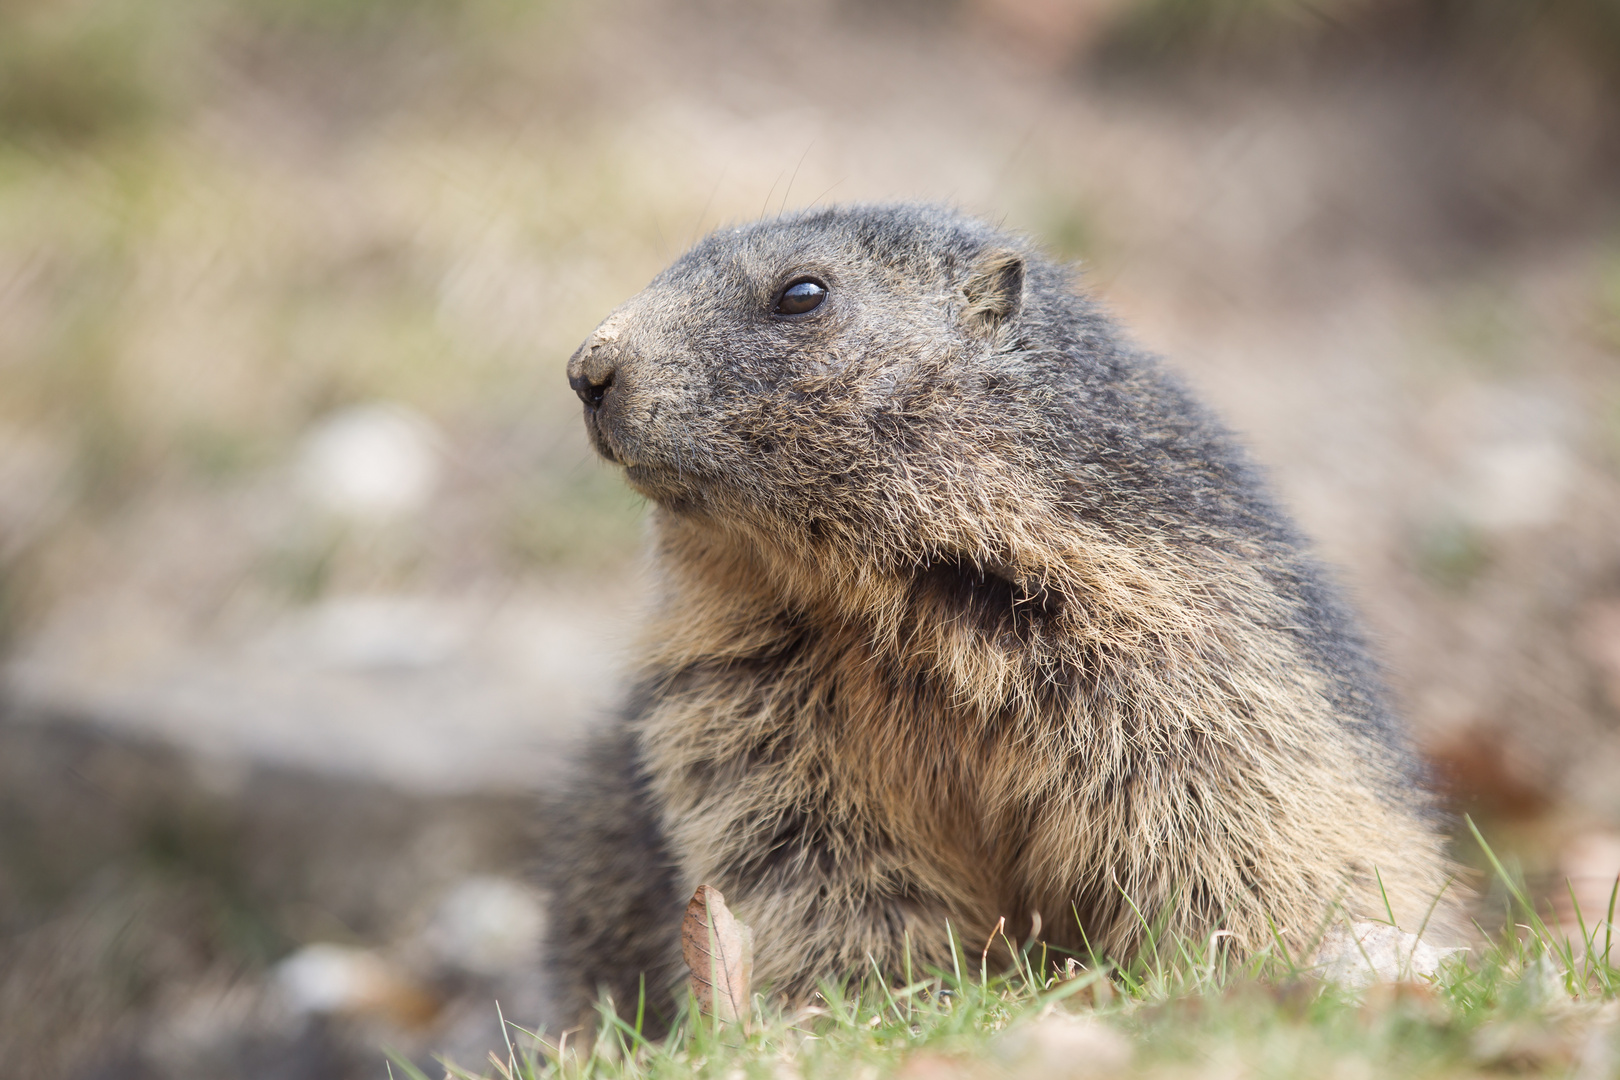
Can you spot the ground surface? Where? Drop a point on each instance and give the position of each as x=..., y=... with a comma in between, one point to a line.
x=295, y=515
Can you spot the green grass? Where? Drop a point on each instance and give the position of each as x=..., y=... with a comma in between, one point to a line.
x=1188, y=1014
x=1528, y=999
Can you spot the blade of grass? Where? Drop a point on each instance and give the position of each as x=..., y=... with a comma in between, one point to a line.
x=1389, y=909
x=906, y=953
x=641, y=1005
x=894, y=1005
x=1276, y=936
x=984, y=957
x=1536, y=925
x=1147, y=930
x=1608, y=931
x=1434, y=904
x=1018, y=958
x=405, y=1065
x=1070, y=987
x=1586, y=939
x=956, y=953
x=506, y=1036
x=1081, y=926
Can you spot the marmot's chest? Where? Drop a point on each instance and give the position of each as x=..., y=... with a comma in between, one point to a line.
x=834, y=724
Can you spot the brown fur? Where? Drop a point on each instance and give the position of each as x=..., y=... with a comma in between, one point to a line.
x=965, y=611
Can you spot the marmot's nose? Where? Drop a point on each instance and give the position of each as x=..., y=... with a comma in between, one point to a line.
x=591, y=374
x=591, y=393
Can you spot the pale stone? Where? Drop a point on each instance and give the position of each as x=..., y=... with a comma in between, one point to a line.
x=487, y=925
x=372, y=462
x=1361, y=954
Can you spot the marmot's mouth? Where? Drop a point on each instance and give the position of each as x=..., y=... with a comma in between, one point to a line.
x=668, y=485
x=602, y=441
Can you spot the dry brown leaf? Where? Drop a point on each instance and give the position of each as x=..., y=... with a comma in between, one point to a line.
x=719, y=950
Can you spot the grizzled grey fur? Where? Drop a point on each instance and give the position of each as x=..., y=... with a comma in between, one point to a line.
x=965, y=609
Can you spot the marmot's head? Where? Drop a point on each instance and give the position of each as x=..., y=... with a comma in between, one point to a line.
x=854, y=375
x=907, y=416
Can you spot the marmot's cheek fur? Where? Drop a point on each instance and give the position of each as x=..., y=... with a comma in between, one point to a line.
x=965, y=609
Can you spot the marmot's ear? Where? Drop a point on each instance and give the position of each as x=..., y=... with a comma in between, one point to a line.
x=994, y=291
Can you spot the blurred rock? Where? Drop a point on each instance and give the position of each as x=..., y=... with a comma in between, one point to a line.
x=328, y=781
x=324, y=978
x=377, y=633
x=155, y=922
x=488, y=926
x=1363, y=954
x=427, y=693
x=1517, y=484
x=373, y=462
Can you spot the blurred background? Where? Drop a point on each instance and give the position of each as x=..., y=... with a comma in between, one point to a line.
x=308, y=579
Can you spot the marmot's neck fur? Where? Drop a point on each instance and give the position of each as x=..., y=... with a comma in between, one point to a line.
x=966, y=610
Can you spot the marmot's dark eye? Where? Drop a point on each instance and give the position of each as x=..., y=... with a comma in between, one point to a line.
x=803, y=295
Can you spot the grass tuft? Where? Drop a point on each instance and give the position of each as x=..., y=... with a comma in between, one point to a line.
x=1535, y=998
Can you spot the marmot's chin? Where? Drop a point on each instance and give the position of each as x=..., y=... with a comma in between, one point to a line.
x=677, y=492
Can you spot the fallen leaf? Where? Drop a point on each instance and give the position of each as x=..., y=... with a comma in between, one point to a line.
x=719, y=950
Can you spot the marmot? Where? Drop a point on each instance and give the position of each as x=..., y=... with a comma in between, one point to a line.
x=965, y=609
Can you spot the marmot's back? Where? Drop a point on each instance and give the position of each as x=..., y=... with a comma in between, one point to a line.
x=965, y=610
